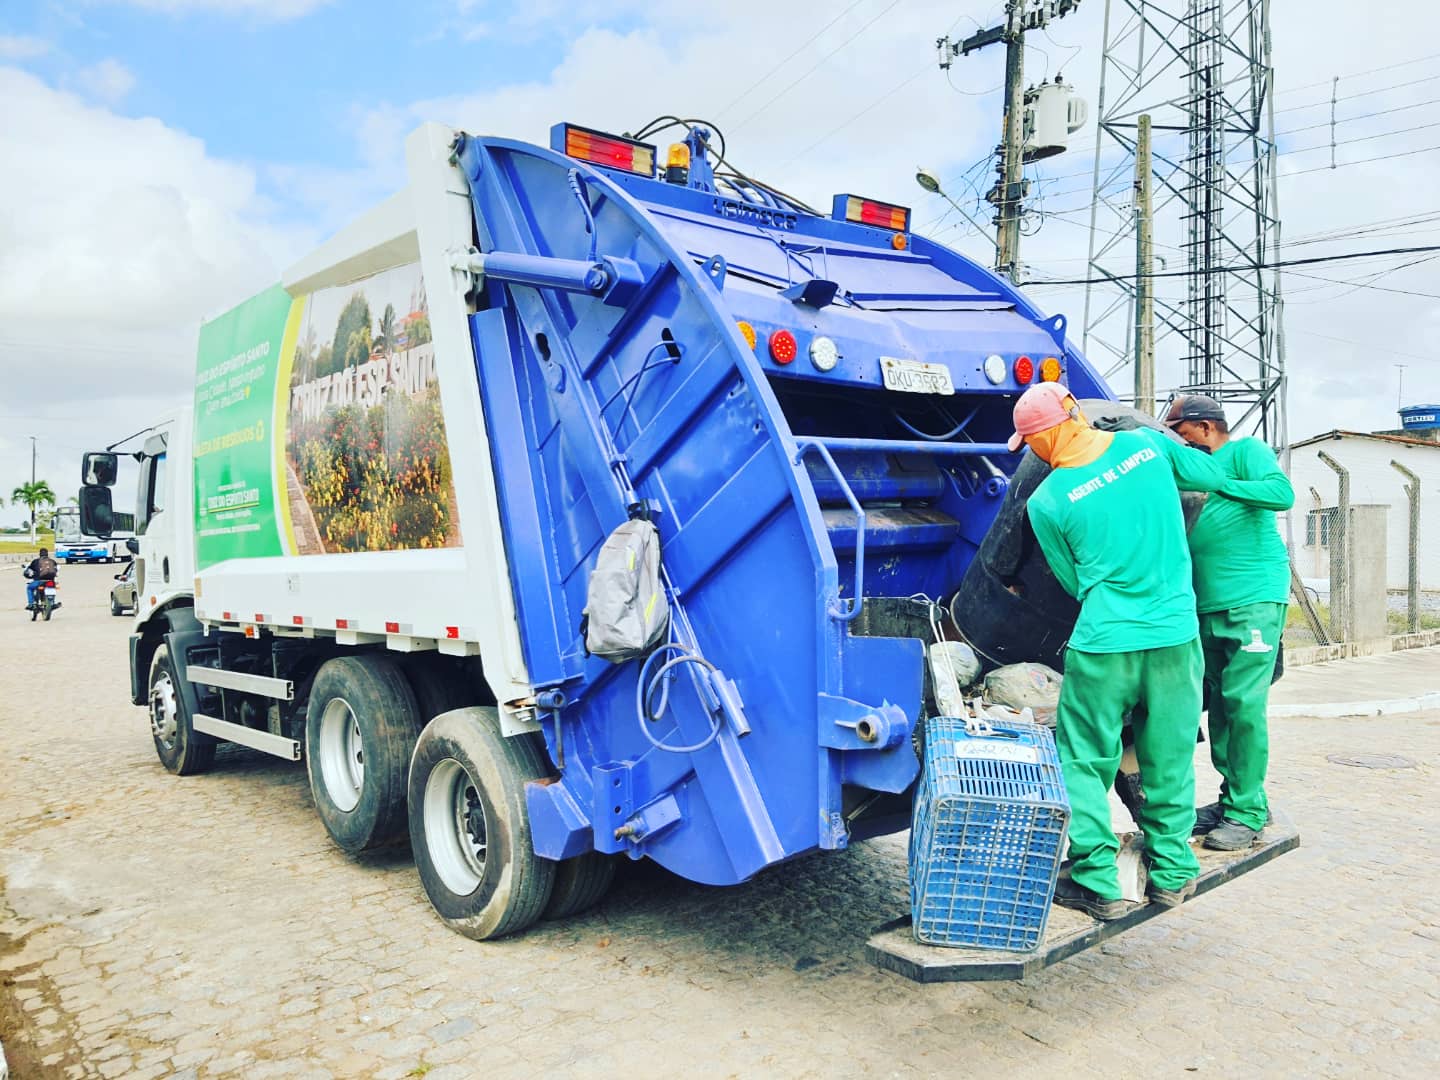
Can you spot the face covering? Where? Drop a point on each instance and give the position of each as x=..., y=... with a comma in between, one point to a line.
x=1071, y=443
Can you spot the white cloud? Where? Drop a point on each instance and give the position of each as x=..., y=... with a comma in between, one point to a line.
x=22, y=47
x=713, y=65
x=108, y=82
x=277, y=10
x=117, y=237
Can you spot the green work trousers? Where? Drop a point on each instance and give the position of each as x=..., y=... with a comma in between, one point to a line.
x=1240, y=647
x=1099, y=689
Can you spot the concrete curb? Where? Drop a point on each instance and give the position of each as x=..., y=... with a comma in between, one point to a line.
x=1305, y=655
x=1331, y=710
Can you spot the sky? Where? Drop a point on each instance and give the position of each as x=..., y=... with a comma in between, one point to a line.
x=165, y=159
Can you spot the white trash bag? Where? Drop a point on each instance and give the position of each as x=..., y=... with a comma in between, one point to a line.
x=1026, y=686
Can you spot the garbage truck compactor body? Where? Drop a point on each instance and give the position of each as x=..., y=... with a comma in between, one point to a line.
x=392, y=530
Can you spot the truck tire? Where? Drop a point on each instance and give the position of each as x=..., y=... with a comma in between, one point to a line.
x=181, y=749
x=360, y=726
x=436, y=685
x=580, y=883
x=470, y=828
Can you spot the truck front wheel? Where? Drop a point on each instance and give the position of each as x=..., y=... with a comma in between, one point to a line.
x=360, y=726
x=469, y=826
x=181, y=749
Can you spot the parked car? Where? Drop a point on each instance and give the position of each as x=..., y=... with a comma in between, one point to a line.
x=122, y=593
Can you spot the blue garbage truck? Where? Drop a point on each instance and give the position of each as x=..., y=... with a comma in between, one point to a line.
x=373, y=542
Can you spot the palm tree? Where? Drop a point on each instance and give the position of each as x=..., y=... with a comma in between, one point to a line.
x=33, y=495
x=387, y=330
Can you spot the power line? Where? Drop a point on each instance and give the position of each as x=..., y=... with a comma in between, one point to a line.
x=1361, y=161
x=1361, y=74
x=815, y=67
x=869, y=108
x=1367, y=345
x=1360, y=94
x=799, y=49
x=1247, y=267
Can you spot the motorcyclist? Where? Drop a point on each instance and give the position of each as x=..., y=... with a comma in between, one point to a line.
x=42, y=568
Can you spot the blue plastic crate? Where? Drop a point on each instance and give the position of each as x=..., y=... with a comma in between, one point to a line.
x=987, y=836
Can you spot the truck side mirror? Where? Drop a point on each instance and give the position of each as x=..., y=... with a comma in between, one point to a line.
x=97, y=517
x=100, y=468
x=132, y=545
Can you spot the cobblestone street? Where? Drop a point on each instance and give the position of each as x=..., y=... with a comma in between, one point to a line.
x=157, y=926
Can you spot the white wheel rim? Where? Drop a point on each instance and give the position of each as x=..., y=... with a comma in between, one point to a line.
x=164, y=713
x=456, y=831
x=342, y=755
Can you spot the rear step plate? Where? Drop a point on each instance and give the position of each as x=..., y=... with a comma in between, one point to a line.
x=894, y=947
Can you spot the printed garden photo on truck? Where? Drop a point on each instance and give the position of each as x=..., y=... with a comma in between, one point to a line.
x=368, y=467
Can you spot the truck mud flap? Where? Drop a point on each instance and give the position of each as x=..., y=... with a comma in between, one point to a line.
x=894, y=948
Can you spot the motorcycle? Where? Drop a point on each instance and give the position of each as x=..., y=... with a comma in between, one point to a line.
x=46, y=600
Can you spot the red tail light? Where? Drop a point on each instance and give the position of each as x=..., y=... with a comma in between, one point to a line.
x=1024, y=370
x=869, y=212
x=612, y=151
x=783, y=347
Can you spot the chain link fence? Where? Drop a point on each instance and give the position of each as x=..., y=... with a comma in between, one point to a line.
x=1342, y=578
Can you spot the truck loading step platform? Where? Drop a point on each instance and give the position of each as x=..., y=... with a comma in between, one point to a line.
x=893, y=947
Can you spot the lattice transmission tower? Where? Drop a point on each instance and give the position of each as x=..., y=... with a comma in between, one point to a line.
x=1200, y=69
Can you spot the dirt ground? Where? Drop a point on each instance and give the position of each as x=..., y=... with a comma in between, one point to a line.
x=156, y=926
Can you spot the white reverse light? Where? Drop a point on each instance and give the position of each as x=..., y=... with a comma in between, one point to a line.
x=823, y=353
x=995, y=369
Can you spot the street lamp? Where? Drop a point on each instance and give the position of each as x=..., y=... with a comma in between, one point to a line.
x=928, y=180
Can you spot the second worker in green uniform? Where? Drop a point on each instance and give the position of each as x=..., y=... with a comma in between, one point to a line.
x=1242, y=587
x=1109, y=521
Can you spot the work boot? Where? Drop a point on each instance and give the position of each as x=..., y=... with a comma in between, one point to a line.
x=1206, y=818
x=1231, y=836
x=1170, y=898
x=1209, y=817
x=1072, y=894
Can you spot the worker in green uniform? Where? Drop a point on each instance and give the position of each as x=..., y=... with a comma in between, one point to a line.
x=1242, y=588
x=1109, y=520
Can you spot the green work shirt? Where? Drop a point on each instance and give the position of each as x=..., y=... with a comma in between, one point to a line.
x=1238, y=554
x=1113, y=533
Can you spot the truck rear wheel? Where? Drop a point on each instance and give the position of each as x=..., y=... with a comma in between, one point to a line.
x=580, y=883
x=181, y=749
x=360, y=726
x=470, y=828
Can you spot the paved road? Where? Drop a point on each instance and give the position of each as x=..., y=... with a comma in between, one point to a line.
x=154, y=926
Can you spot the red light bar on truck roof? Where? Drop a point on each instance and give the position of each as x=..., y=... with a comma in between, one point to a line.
x=869, y=212
x=612, y=151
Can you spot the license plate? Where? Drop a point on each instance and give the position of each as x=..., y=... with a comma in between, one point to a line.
x=915, y=376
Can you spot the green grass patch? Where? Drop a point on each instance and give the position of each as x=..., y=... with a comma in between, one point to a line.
x=21, y=544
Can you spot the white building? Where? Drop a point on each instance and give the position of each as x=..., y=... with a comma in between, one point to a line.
x=1372, y=480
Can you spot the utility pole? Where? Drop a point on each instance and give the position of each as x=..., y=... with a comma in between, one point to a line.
x=1144, y=281
x=32, y=487
x=1008, y=194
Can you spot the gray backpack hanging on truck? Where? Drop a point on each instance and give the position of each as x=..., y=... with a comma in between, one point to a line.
x=626, y=612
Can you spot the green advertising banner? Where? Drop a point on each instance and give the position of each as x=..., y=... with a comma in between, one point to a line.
x=318, y=425
x=238, y=371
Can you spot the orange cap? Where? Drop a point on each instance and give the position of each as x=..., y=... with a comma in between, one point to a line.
x=1039, y=408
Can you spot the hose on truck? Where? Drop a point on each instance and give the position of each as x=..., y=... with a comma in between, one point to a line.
x=647, y=711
